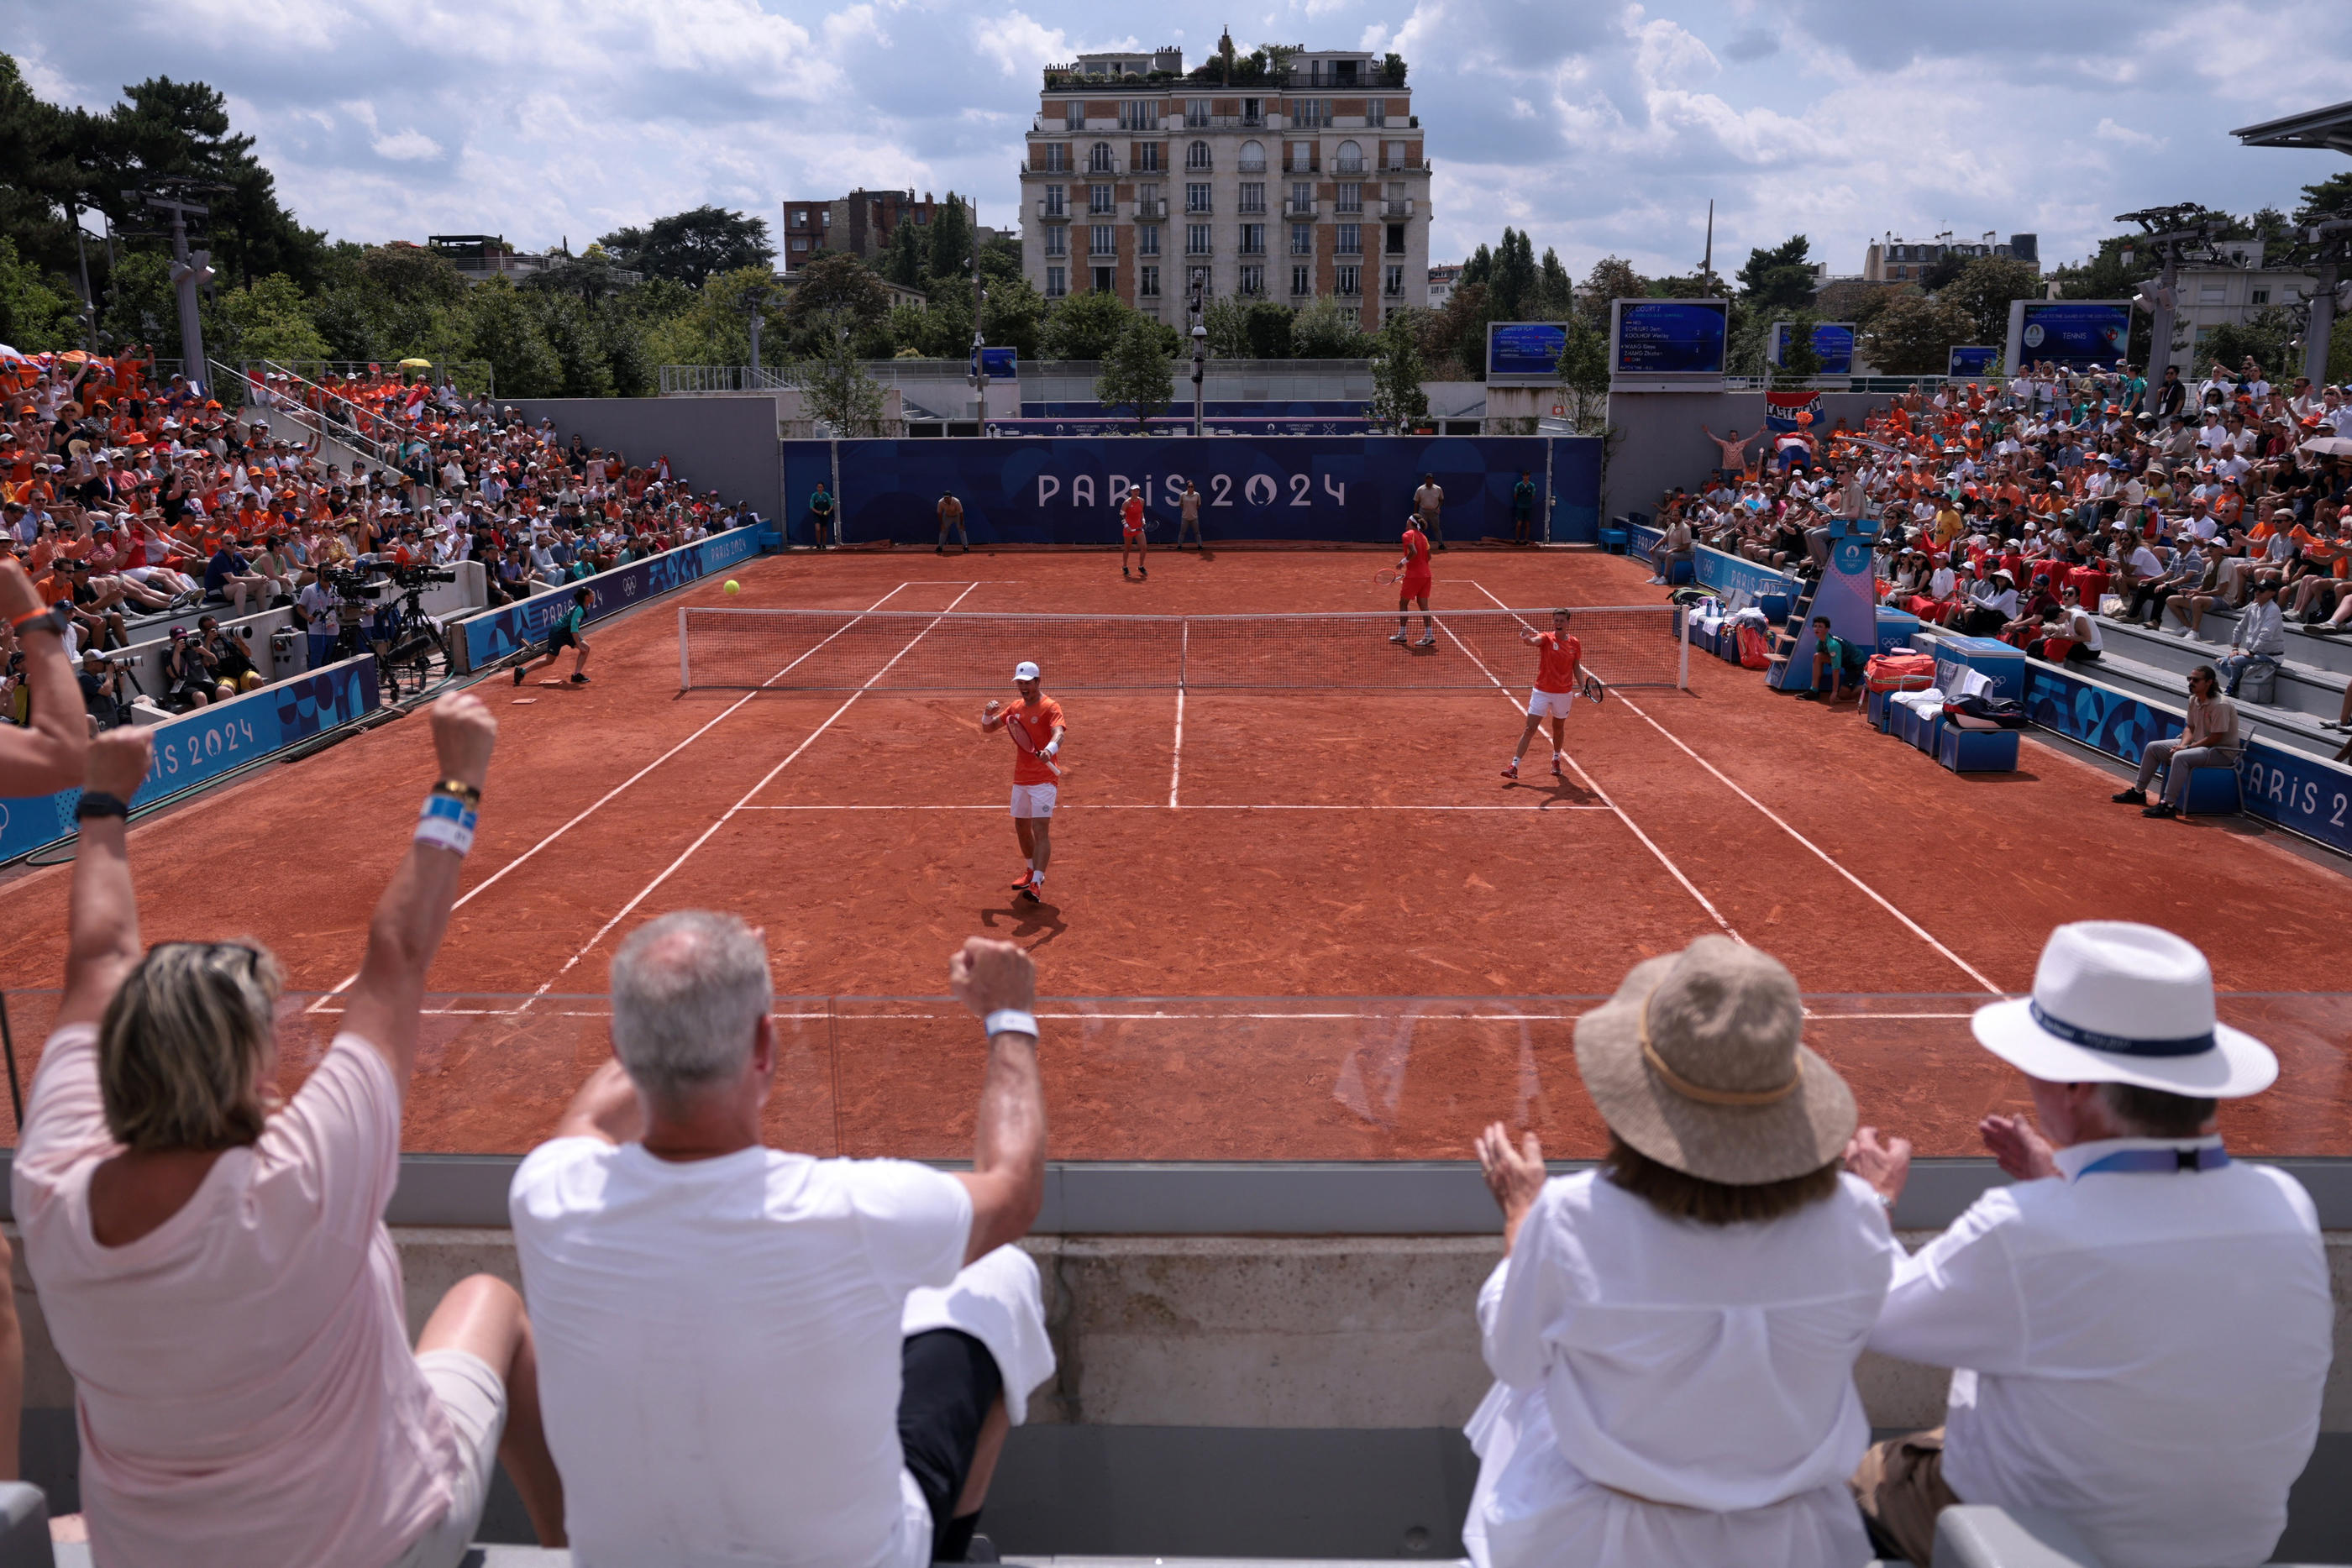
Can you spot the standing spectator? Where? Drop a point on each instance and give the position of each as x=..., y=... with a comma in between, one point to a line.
x=2209, y=740
x=1523, y=507
x=2139, y=1329
x=1734, y=451
x=1673, y=1336
x=750, y=1355
x=821, y=513
x=1429, y=506
x=216, y=1268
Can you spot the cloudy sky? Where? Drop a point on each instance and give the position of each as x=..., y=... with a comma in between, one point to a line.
x=1599, y=127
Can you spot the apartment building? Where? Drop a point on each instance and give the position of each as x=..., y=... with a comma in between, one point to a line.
x=1290, y=183
x=1893, y=260
x=2230, y=289
x=859, y=223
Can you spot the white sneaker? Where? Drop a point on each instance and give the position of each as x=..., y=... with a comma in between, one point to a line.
x=1398, y=638
x=1427, y=642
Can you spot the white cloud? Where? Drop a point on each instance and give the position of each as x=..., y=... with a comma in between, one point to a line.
x=406, y=145
x=2108, y=130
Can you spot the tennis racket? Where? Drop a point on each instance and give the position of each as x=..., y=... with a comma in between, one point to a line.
x=1387, y=578
x=1020, y=738
x=1591, y=689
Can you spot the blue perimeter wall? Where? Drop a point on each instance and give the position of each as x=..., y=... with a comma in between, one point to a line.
x=209, y=742
x=494, y=633
x=1307, y=489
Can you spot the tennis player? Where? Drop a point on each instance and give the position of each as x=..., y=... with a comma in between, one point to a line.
x=1036, y=728
x=1559, y=660
x=1131, y=534
x=1413, y=582
x=565, y=633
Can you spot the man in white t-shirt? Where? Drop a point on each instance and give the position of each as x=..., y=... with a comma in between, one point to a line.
x=747, y=1355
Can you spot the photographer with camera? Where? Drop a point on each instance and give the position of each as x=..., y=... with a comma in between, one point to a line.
x=104, y=696
x=41, y=753
x=188, y=678
x=232, y=655
x=318, y=611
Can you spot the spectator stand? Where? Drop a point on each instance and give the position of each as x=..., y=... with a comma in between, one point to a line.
x=1714, y=569
x=2307, y=689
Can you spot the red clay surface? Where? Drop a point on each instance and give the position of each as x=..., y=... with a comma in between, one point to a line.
x=1371, y=979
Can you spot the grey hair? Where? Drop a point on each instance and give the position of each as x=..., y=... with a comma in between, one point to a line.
x=688, y=990
x=184, y=1045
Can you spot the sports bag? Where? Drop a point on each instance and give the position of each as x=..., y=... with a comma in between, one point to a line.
x=1899, y=672
x=1755, y=654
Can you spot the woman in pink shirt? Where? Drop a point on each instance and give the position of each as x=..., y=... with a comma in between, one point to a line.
x=212, y=1262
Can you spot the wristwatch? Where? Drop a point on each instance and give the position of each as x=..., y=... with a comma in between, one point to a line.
x=98, y=803
x=52, y=618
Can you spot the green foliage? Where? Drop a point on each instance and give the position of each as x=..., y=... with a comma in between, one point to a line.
x=1136, y=373
x=1984, y=288
x=2332, y=197
x=1325, y=331
x=2104, y=276
x=34, y=317
x=1268, y=329
x=1912, y=335
x=1392, y=69
x=2264, y=340
x=952, y=239
x=1479, y=268
x=1612, y=277
x=1800, y=361
x=1227, y=320
x=1398, y=401
x=270, y=320
x=1856, y=301
x=1084, y=327
x=1555, y=290
x=689, y=246
x=1454, y=339
x=1781, y=279
x=1584, y=375
x=833, y=382
x=142, y=309
x=715, y=329
x=1512, y=283
x=1014, y=315
x=902, y=264
x=2339, y=352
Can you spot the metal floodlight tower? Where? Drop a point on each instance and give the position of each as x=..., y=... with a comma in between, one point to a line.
x=755, y=300
x=190, y=271
x=2331, y=239
x=2166, y=230
x=1200, y=344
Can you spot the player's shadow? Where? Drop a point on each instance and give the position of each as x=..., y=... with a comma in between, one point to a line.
x=1032, y=924
x=1555, y=791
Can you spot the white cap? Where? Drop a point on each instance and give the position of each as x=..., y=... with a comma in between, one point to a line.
x=1027, y=670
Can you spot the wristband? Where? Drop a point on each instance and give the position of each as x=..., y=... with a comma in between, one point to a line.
x=48, y=618
x=460, y=791
x=98, y=803
x=445, y=824
x=1009, y=1020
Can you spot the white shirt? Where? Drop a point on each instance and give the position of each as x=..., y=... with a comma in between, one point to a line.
x=1682, y=1389
x=719, y=1349
x=2261, y=628
x=2141, y=1354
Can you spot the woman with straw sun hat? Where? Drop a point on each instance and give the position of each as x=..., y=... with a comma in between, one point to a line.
x=1673, y=1334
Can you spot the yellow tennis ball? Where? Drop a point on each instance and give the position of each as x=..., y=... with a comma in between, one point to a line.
x=733, y=586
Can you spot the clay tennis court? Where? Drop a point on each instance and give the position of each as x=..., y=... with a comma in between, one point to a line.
x=1304, y=924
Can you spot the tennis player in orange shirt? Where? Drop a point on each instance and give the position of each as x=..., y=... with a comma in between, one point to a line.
x=1131, y=534
x=1036, y=727
x=1414, y=583
x=1559, y=660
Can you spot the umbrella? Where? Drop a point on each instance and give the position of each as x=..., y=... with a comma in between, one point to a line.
x=416, y=364
x=2329, y=446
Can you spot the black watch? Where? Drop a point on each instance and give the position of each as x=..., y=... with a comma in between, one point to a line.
x=98, y=803
x=56, y=618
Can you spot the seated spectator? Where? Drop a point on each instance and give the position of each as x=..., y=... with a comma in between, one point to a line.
x=747, y=1355
x=2139, y=1329
x=1673, y=545
x=1992, y=605
x=1836, y=661
x=1673, y=1336
x=2072, y=634
x=2210, y=740
x=228, y=575
x=2261, y=635
x=213, y=1264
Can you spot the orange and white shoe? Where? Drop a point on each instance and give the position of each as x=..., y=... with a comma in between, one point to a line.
x=1511, y=768
x=1558, y=768
x=1023, y=886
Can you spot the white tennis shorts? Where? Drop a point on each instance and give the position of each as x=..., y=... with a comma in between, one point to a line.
x=1033, y=799
x=1551, y=705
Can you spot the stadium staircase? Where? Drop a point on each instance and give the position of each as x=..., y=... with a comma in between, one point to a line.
x=2308, y=690
x=1784, y=637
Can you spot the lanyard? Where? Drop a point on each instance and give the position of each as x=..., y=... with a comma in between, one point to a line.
x=2158, y=1161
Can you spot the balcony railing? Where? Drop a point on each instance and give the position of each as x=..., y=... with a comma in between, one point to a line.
x=1397, y=209
x=1102, y=209
x=1151, y=207
x=1102, y=245
x=1313, y=165
x=1252, y=247
x=1251, y=166
x=1199, y=209
x=1292, y=207
x=1194, y=247
x=1345, y=208
x=1395, y=288
x=1109, y=166
x=1347, y=247
x=1347, y=165
x=1350, y=287
x=1054, y=211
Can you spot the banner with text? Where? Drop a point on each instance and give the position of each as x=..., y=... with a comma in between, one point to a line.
x=494, y=633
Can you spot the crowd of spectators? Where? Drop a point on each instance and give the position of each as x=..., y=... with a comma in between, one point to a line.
x=126, y=501
x=2032, y=509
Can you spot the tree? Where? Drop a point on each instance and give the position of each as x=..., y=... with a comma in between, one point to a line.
x=1800, y=361
x=1454, y=339
x=2264, y=338
x=1325, y=331
x=1135, y=374
x=834, y=282
x=1479, y=268
x=1555, y=290
x=1398, y=401
x=1855, y=299
x=1584, y=376
x=689, y=246
x=903, y=263
x=1267, y=327
x=2332, y=197
x=1779, y=279
x=1227, y=320
x=1514, y=279
x=1612, y=277
x=1984, y=288
x=1014, y=315
x=952, y=239
x=269, y=320
x=34, y=317
x=833, y=383
x=1084, y=327
x=1912, y=335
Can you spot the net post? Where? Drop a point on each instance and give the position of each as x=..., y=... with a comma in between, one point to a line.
x=684, y=682
x=1682, y=621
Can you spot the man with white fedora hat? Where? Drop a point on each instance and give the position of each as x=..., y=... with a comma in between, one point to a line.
x=2139, y=1329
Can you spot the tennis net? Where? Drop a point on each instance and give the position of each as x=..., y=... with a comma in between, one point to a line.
x=851, y=650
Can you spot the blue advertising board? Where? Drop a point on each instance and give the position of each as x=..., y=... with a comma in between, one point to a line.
x=1179, y=424
x=1971, y=359
x=1669, y=337
x=1524, y=350
x=1833, y=345
x=1324, y=489
x=1716, y=571
x=1002, y=364
x=203, y=744
x=494, y=635
x=2071, y=333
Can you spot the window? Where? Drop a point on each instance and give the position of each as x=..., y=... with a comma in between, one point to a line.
x=800, y=217
x=1099, y=159
x=1302, y=197
x=1147, y=278
x=1396, y=155
x=1103, y=240
x=1396, y=239
x=1147, y=158
x=1196, y=197
x=1098, y=199
x=1055, y=199
x=1196, y=155
x=1351, y=198
x=1349, y=159
x=1310, y=111
x=1057, y=157
x=1140, y=114
x=1196, y=239
x=1253, y=158
x=1196, y=113
x=1147, y=240
x=1392, y=282
x=1074, y=115
x=1254, y=198
x=2260, y=296
x=1252, y=239
x=1351, y=239
x=1253, y=111
x=1058, y=241
x=1302, y=239
x=1351, y=279
x=1302, y=280
x=1058, y=282
x=1302, y=157
x=1103, y=282
x=1376, y=111
x=2211, y=293
x=1254, y=280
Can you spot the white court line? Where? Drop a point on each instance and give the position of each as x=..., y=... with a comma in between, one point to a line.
x=1152, y=806
x=646, y=892
x=1811, y=1016
x=493, y=879
x=1176, y=758
x=1827, y=859
x=1688, y=886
